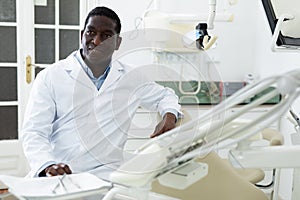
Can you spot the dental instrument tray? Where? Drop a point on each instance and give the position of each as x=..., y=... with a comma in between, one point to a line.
x=56, y=187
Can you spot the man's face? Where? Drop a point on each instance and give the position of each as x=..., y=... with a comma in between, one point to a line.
x=99, y=39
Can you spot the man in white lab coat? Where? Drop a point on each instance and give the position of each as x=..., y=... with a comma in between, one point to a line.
x=80, y=108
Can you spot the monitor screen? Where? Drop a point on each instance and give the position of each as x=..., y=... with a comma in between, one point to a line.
x=288, y=40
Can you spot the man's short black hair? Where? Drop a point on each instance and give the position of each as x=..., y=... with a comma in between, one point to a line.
x=107, y=12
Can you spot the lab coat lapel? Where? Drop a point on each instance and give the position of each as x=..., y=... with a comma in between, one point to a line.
x=75, y=70
x=115, y=73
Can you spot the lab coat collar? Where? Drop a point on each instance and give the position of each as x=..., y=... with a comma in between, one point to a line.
x=74, y=69
x=115, y=73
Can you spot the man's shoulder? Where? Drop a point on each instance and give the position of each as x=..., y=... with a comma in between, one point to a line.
x=59, y=66
x=66, y=62
x=63, y=64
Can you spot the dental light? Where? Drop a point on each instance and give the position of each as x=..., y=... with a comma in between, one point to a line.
x=184, y=23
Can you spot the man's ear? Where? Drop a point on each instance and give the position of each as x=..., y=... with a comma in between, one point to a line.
x=81, y=35
x=119, y=40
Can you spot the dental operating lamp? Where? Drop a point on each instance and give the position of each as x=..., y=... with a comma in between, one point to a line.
x=156, y=19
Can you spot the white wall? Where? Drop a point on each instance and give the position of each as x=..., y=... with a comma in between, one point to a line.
x=235, y=50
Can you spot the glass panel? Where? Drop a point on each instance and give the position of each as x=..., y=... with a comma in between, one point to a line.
x=8, y=47
x=44, y=46
x=8, y=122
x=8, y=10
x=37, y=70
x=68, y=42
x=45, y=14
x=8, y=83
x=69, y=12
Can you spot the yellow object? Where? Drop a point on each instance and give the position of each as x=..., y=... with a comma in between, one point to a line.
x=222, y=182
x=28, y=69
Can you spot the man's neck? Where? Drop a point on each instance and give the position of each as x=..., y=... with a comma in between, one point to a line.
x=99, y=69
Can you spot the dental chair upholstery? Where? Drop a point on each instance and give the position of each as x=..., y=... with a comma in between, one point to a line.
x=223, y=180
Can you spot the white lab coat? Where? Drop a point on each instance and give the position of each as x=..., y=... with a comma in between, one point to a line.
x=68, y=120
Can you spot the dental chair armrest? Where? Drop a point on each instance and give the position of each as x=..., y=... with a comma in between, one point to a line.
x=273, y=136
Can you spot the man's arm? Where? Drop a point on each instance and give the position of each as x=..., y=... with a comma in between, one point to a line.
x=37, y=127
x=165, y=101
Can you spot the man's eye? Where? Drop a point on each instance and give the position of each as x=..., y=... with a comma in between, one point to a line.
x=90, y=32
x=107, y=36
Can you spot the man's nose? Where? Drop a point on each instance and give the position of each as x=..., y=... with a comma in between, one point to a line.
x=97, y=40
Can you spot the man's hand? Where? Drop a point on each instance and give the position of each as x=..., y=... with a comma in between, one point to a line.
x=58, y=169
x=165, y=125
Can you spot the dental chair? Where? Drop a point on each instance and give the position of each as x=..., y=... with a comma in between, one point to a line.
x=223, y=180
x=181, y=148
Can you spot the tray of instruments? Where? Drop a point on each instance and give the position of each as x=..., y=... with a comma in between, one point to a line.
x=57, y=187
